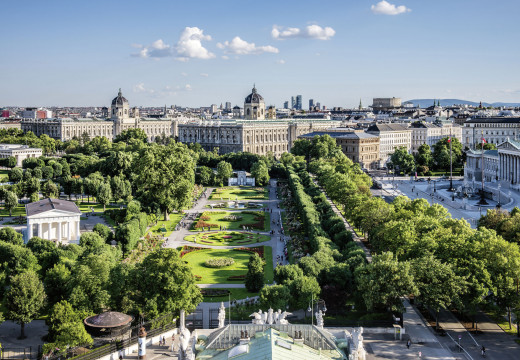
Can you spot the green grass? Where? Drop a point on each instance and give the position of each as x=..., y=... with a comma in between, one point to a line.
x=4, y=175
x=85, y=207
x=217, y=238
x=236, y=294
x=217, y=217
x=109, y=220
x=169, y=225
x=240, y=193
x=17, y=211
x=196, y=261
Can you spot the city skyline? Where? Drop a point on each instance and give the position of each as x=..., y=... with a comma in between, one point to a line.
x=79, y=54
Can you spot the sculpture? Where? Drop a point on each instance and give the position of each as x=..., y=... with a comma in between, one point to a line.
x=258, y=317
x=270, y=319
x=221, y=315
x=276, y=316
x=319, y=319
x=282, y=319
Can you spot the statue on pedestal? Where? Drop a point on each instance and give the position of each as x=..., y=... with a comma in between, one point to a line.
x=270, y=319
x=258, y=317
x=221, y=315
x=319, y=319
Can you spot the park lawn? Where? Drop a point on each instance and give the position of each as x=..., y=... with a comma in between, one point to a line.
x=17, y=211
x=217, y=238
x=236, y=294
x=217, y=218
x=239, y=193
x=169, y=225
x=268, y=268
x=197, y=258
x=85, y=207
x=4, y=176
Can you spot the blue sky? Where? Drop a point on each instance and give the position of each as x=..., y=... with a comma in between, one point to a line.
x=195, y=53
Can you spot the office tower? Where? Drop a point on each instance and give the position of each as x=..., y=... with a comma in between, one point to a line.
x=286, y=105
x=299, y=102
x=311, y=104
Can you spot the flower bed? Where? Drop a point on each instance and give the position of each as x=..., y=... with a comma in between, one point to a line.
x=187, y=249
x=202, y=224
x=197, y=277
x=214, y=292
x=219, y=262
x=237, y=277
x=259, y=250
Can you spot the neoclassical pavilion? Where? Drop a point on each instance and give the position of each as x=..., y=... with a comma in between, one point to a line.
x=53, y=219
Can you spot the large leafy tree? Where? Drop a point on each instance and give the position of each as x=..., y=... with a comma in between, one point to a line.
x=424, y=156
x=24, y=299
x=165, y=175
x=384, y=281
x=402, y=159
x=163, y=284
x=104, y=194
x=275, y=296
x=441, y=153
x=66, y=328
x=224, y=171
x=255, y=273
x=260, y=172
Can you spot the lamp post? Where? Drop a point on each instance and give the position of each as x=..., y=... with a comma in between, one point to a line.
x=434, y=186
x=451, y=189
x=311, y=306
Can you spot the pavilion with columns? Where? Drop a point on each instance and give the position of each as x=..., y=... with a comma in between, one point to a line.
x=53, y=219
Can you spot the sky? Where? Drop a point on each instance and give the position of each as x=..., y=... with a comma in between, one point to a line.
x=197, y=53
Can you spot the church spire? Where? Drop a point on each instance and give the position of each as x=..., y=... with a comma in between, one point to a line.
x=360, y=104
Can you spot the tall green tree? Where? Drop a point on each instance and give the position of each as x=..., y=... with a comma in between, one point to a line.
x=255, y=273
x=104, y=194
x=164, y=284
x=260, y=172
x=165, y=175
x=275, y=296
x=224, y=171
x=24, y=299
x=402, y=159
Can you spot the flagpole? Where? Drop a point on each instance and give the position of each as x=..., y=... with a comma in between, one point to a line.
x=451, y=166
x=482, y=198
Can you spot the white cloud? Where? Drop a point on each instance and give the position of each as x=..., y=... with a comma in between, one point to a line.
x=225, y=57
x=241, y=47
x=385, y=8
x=204, y=74
x=184, y=74
x=140, y=88
x=157, y=49
x=281, y=61
x=309, y=32
x=187, y=87
x=190, y=46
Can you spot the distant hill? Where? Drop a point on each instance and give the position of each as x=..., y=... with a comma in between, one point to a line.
x=424, y=103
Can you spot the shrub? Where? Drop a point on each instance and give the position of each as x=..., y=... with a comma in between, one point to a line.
x=259, y=250
x=214, y=292
x=219, y=262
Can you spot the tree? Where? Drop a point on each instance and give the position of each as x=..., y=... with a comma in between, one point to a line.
x=384, y=281
x=11, y=202
x=50, y=190
x=164, y=284
x=224, y=171
x=104, y=194
x=15, y=175
x=441, y=153
x=165, y=175
x=275, y=296
x=204, y=175
x=260, y=172
x=303, y=290
x=91, y=240
x=424, y=156
x=285, y=273
x=402, y=159
x=487, y=146
x=437, y=284
x=65, y=326
x=10, y=235
x=24, y=299
x=57, y=283
x=47, y=172
x=255, y=273
x=11, y=162
x=127, y=135
x=121, y=188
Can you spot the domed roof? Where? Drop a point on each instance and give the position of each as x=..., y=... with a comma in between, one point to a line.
x=120, y=99
x=109, y=319
x=254, y=97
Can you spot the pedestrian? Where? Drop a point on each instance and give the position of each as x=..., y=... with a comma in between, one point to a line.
x=408, y=343
x=483, y=350
x=173, y=342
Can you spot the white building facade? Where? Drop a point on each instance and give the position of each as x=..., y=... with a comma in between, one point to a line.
x=19, y=152
x=54, y=220
x=495, y=130
x=431, y=134
x=391, y=136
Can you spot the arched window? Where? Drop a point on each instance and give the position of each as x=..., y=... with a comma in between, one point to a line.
x=248, y=112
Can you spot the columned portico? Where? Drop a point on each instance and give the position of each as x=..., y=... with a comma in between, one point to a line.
x=54, y=220
x=509, y=154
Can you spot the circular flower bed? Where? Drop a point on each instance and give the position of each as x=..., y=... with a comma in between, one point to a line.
x=219, y=262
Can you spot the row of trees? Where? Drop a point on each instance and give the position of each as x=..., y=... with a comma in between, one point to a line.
x=439, y=259
x=426, y=160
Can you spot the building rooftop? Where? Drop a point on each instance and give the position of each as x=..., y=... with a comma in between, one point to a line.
x=45, y=205
x=341, y=135
x=387, y=127
x=493, y=120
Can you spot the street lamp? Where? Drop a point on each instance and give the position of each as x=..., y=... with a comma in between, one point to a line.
x=311, y=306
x=434, y=186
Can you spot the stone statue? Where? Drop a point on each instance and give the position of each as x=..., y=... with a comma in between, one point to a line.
x=184, y=339
x=319, y=319
x=270, y=319
x=276, y=316
x=282, y=320
x=221, y=315
x=258, y=317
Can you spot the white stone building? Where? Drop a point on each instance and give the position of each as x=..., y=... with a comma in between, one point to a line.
x=19, y=152
x=53, y=219
x=495, y=130
x=391, y=136
x=431, y=133
x=241, y=180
